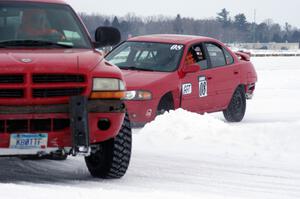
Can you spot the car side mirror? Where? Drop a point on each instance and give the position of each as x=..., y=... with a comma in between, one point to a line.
x=192, y=68
x=107, y=36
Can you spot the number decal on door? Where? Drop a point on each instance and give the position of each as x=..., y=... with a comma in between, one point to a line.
x=202, y=87
x=186, y=89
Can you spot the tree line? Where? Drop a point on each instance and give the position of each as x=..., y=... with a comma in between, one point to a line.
x=223, y=27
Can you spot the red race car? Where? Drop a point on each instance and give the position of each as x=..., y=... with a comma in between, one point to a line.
x=199, y=74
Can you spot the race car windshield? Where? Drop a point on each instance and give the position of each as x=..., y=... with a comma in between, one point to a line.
x=40, y=25
x=146, y=56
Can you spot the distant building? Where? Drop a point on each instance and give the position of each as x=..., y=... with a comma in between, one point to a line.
x=266, y=46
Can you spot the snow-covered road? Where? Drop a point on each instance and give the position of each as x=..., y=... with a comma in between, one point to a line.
x=186, y=155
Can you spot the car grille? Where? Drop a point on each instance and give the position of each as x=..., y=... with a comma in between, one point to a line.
x=56, y=92
x=11, y=79
x=33, y=125
x=41, y=85
x=11, y=93
x=57, y=78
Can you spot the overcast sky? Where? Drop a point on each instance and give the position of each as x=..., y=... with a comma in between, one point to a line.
x=279, y=11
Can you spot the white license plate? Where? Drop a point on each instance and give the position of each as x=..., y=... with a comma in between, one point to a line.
x=28, y=141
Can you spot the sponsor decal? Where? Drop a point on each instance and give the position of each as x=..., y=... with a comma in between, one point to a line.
x=176, y=47
x=187, y=89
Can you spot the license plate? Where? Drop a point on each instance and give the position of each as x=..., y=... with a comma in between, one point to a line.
x=28, y=141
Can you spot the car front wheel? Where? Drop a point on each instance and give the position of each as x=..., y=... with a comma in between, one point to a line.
x=236, y=109
x=165, y=104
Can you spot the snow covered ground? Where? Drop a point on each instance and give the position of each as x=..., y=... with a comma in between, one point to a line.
x=186, y=155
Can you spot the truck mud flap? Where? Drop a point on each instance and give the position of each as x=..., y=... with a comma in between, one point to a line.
x=79, y=125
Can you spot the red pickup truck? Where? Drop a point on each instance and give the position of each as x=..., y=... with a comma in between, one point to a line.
x=199, y=74
x=58, y=95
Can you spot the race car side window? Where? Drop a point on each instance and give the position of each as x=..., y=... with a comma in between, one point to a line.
x=216, y=55
x=198, y=56
x=228, y=56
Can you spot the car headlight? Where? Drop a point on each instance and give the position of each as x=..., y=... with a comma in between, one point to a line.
x=138, y=95
x=108, y=88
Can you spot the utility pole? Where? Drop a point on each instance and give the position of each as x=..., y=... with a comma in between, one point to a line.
x=254, y=26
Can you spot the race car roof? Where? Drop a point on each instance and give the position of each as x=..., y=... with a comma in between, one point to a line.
x=171, y=38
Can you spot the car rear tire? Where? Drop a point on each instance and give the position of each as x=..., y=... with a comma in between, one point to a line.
x=112, y=157
x=237, y=106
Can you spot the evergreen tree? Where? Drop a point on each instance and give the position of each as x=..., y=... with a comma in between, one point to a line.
x=223, y=17
x=240, y=22
x=295, y=36
x=262, y=32
x=106, y=22
x=124, y=28
x=285, y=38
x=178, y=29
x=277, y=38
x=115, y=23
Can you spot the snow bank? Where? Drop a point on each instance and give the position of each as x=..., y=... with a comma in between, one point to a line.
x=183, y=132
x=181, y=126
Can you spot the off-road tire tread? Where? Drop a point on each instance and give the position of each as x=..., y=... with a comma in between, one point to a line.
x=118, y=153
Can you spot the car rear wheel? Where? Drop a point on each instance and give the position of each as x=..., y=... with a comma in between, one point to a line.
x=237, y=106
x=111, y=158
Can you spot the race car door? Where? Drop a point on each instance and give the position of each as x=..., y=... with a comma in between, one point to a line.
x=195, y=87
x=224, y=75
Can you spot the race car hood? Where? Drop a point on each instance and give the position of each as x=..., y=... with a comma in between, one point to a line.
x=48, y=60
x=144, y=80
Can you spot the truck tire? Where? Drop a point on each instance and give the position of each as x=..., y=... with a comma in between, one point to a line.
x=235, y=112
x=111, y=159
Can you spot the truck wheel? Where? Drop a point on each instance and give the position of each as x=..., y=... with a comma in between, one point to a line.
x=237, y=106
x=112, y=157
